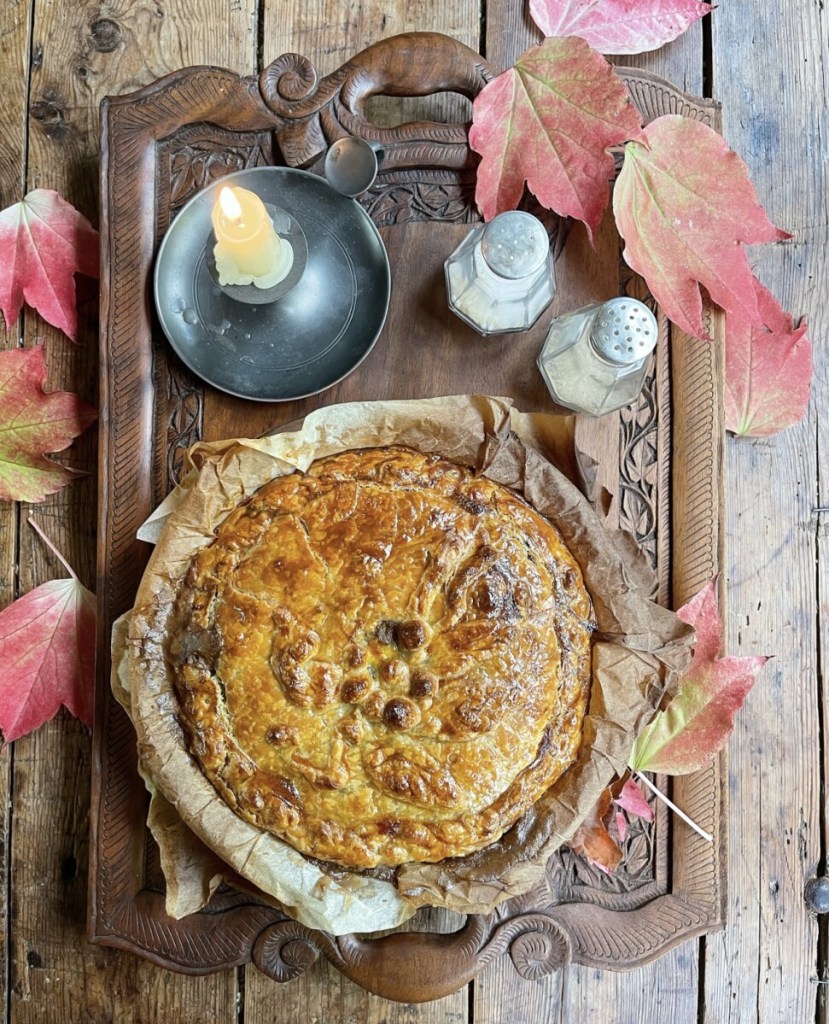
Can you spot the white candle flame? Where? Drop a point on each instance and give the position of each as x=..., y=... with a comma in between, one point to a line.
x=230, y=205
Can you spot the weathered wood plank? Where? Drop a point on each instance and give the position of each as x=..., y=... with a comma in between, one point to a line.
x=680, y=61
x=820, y=524
x=774, y=112
x=329, y=33
x=14, y=56
x=80, y=55
x=323, y=994
x=509, y=31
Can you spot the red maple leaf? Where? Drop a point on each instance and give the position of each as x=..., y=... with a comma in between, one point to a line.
x=47, y=649
x=768, y=370
x=633, y=800
x=45, y=241
x=549, y=121
x=697, y=722
x=592, y=839
x=684, y=206
x=32, y=422
x=618, y=26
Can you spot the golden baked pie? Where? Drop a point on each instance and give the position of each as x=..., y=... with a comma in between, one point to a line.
x=386, y=659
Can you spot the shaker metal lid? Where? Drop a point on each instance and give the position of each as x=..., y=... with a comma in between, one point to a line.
x=624, y=331
x=515, y=244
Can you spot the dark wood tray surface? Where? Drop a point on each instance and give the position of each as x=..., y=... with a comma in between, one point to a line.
x=662, y=459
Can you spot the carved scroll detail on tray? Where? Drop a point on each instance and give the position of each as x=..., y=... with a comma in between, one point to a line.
x=185, y=417
x=654, y=98
x=194, y=157
x=640, y=495
x=536, y=944
x=287, y=949
x=421, y=195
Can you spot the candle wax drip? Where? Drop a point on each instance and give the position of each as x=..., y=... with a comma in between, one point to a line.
x=230, y=274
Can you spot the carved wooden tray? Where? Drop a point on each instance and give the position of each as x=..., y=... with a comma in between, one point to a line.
x=662, y=459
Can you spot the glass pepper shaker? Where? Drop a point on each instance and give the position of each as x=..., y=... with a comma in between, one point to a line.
x=595, y=359
x=500, y=278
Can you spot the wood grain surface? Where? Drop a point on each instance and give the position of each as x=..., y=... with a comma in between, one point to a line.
x=768, y=64
x=14, y=54
x=769, y=960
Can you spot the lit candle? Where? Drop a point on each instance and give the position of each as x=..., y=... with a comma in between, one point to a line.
x=248, y=250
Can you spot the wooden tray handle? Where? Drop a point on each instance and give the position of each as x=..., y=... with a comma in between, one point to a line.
x=312, y=114
x=413, y=966
x=409, y=64
x=415, y=64
x=416, y=967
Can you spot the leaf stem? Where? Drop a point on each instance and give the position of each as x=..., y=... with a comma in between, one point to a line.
x=688, y=821
x=53, y=549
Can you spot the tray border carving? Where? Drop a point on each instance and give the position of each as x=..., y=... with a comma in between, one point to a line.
x=175, y=134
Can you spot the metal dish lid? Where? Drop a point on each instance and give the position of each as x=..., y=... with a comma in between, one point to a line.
x=515, y=244
x=624, y=331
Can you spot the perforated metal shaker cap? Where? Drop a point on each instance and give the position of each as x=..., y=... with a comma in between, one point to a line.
x=515, y=244
x=624, y=331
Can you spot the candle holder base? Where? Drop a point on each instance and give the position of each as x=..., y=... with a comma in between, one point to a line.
x=310, y=330
x=287, y=227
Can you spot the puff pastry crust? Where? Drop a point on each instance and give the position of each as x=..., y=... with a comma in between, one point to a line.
x=384, y=660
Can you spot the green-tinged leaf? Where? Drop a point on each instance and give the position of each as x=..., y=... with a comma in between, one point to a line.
x=696, y=724
x=33, y=422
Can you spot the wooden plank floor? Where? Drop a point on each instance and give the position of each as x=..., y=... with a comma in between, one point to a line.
x=769, y=66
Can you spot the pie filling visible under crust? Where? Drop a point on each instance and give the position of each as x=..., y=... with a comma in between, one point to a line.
x=386, y=659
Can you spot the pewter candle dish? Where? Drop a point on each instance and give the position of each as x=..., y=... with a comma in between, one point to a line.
x=306, y=340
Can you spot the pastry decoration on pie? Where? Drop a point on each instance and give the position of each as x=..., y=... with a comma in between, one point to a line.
x=383, y=660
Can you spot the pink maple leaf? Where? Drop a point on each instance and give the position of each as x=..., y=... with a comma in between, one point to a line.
x=45, y=241
x=633, y=800
x=768, y=370
x=618, y=26
x=47, y=649
x=685, y=207
x=549, y=121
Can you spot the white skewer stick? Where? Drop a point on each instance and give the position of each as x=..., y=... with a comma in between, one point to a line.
x=688, y=821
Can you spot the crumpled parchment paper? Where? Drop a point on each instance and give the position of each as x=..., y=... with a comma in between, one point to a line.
x=638, y=650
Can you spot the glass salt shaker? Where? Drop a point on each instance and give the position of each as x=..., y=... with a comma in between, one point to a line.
x=595, y=359
x=500, y=278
